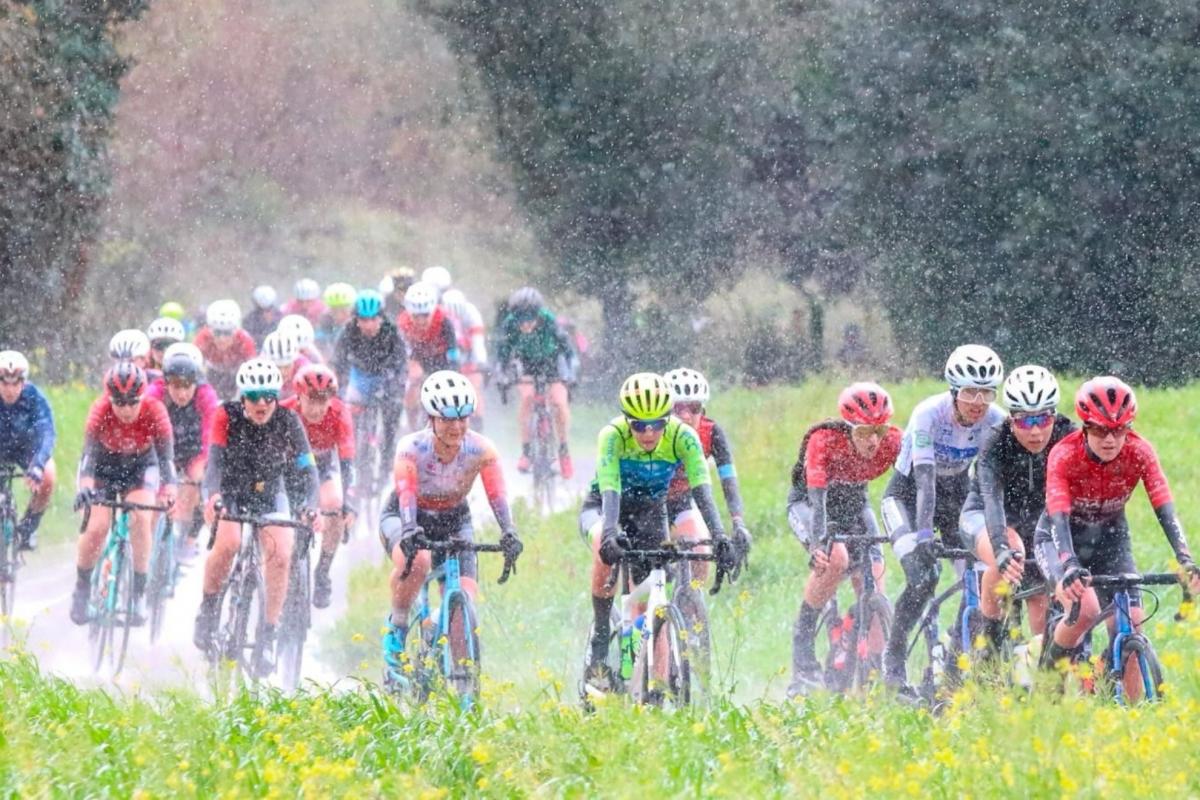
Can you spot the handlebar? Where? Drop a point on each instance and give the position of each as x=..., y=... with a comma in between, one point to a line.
x=667, y=553
x=253, y=520
x=857, y=538
x=420, y=542
x=1131, y=580
x=118, y=504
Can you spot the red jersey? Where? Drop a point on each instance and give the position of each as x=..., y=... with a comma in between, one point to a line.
x=430, y=344
x=312, y=310
x=334, y=430
x=716, y=446
x=151, y=428
x=830, y=457
x=229, y=358
x=1080, y=484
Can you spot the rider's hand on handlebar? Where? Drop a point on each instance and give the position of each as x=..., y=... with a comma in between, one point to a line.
x=726, y=552
x=819, y=558
x=84, y=497
x=210, y=508
x=33, y=478
x=408, y=542
x=1073, y=584
x=511, y=545
x=610, y=548
x=1192, y=573
x=167, y=493
x=1011, y=565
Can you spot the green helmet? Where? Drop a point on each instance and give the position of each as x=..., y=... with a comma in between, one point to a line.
x=339, y=295
x=172, y=310
x=646, y=395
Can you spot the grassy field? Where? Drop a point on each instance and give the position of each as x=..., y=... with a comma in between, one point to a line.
x=530, y=738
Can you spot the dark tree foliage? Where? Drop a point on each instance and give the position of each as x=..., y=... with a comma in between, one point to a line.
x=59, y=75
x=1027, y=176
x=628, y=128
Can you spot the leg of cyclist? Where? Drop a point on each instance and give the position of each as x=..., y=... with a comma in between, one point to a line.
x=390, y=409
x=216, y=571
x=403, y=590
x=921, y=572
x=276, y=544
x=974, y=535
x=87, y=554
x=39, y=500
x=875, y=640
x=183, y=515
x=141, y=535
x=331, y=526
x=524, y=423
x=828, y=567
x=460, y=518
x=688, y=525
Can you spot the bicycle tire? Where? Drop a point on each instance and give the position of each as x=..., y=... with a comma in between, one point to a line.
x=690, y=602
x=1136, y=645
x=124, y=597
x=9, y=562
x=460, y=667
x=161, y=567
x=293, y=630
x=932, y=657
x=612, y=658
x=869, y=667
x=101, y=622
x=245, y=598
x=677, y=691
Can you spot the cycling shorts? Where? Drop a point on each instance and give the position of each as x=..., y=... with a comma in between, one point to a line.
x=329, y=466
x=120, y=474
x=800, y=519
x=643, y=523
x=270, y=503
x=439, y=526
x=18, y=453
x=971, y=524
x=1103, y=548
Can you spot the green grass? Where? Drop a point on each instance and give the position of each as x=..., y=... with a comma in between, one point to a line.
x=57, y=739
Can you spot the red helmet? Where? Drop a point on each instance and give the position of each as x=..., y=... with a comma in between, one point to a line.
x=125, y=381
x=315, y=379
x=865, y=403
x=1106, y=401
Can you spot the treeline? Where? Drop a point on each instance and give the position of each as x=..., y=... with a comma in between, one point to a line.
x=1001, y=172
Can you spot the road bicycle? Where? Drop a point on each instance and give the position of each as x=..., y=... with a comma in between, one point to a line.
x=164, y=574
x=110, y=596
x=851, y=662
x=242, y=601
x=442, y=646
x=543, y=444
x=11, y=557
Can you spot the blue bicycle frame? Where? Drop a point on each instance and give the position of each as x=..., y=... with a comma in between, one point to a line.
x=1121, y=604
x=115, y=548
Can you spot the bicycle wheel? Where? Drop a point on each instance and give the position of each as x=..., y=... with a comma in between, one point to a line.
x=162, y=565
x=1137, y=652
x=460, y=653
x=293, y=629
x=927, y=659
x=102, y=607
x=245, y=607
x=696, y=634
x=670, y=683
x=621, y=673
x=868, y=666
x=543, y=462
x=124, y=622
x=9, y=561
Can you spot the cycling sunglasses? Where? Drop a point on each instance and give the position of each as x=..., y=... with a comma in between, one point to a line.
x=867, y=431
x=1032, y=421
x=260, y=395
x=643, y=425
x=125, y=402
x=977, y=395
x=1100, y=432
x=462, y=412
x=10, y=379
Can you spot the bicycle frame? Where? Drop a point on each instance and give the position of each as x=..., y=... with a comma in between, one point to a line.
x=10, y=553
x=867, y=588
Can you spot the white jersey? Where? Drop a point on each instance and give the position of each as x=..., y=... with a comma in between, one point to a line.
x=468, y=327
x=934, y=436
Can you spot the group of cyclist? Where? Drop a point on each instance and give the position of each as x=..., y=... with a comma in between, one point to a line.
x=1038, y=501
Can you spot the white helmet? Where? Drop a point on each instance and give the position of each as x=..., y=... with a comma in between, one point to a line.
x=165, y=328
x=298, y=326
x=973, y=366
x=14, y=363
x=129, y=343
x=185, y=350
x=454, y=301
x=448, y=395
x=223, y=316
x=437, y=277
x=421, y=298
x=688, y=385
x=1031, y=388
x=258, y=374
x=387, y=285
x=281, y=347
x=264, y=296
x=306, y=289
x=183, y=359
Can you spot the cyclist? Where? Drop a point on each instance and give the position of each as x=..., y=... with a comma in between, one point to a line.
x=26, y=440
x=837, y=459
x=298, y=326
x=283, y=349
x=130, y=345
x=472, y=343
x=691, y=392
x=127, y=449
x=224, y=344
x=393, y=287
x=306, y=301
x=429, y=337
x=929, y=485
x=331, y=436
x=369, y=362
x=176, y=310
x=637, y=454
x=191, y=405
x=530, y=345
x=1008, y=493
x=259, y=462
x=434, y=471
x=1090, y=478
x=265, y=315
x=438, y=278
x=162, y=333
x=339, y=300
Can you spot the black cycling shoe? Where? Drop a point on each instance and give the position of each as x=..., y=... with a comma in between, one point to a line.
x=28, y=539
x=806, y=679
x=599, y=679
x=79, y=605
x=137, y=614
x=322, y=589
x=206, y=628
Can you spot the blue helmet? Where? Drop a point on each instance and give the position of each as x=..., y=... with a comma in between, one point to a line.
x=369, y=303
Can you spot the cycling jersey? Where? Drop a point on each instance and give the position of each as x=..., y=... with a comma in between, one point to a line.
x=1079, y=484
x=471, y=340
x=542, y=352
x=227, y=359
x=369, y=366
x=426, y=483
x=109, y=442
x=935, y=436
x=27, y=429
x=716, y=446
x=309, y=309
x=433, y=345
x=248, y=461
x=260, y=322
x=334, y=431
x=1008, y=482
x=190, y=424
x=623, y=466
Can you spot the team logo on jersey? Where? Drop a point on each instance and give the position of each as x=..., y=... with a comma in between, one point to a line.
x=922, y=439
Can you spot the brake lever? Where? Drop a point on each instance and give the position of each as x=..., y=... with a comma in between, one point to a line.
x=510, y=568
x=720, y=578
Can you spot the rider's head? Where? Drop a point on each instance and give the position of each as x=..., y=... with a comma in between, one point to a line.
x=1031, y=395
x=646, y=402
x=316, y=385
x=125, y=384
x=368, y=312
x=690, y=392
x=867, y=407
x=14, y=371
x=974, y=373
x=449, y=400
x=258, y=385
x=1107, y=407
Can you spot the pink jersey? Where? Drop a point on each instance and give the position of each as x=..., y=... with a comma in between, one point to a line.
x=431, y=484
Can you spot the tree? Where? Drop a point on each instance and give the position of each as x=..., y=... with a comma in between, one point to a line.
x=1024, y=176
x=59, y=81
